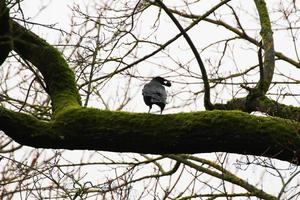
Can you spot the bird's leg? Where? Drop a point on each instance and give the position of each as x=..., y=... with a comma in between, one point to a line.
x=161, y=108
x=149, y=109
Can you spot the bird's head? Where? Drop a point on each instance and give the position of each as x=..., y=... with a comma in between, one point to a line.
x=162, y=81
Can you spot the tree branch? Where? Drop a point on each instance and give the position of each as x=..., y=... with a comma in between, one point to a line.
x=59, y=78
x=5, y=44
x=268, y=65
x=265, y=105
x=222, y=174
x=208, y=105
x=241, y=34
x=198, y=132
x=268, y=46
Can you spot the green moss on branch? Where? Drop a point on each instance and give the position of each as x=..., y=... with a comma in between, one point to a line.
x=26, y=129
x=265, y=105
x=196, y=132
x=268, y=46
x=59, y=78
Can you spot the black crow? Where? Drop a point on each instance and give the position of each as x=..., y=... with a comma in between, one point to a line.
x=155, y=93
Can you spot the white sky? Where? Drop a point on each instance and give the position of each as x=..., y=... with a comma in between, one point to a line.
x=59, y=12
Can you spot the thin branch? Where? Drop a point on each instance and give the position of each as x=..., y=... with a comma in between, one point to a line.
x=225, y=175
x=163, y=46
x=208, y=105
x=279, y=55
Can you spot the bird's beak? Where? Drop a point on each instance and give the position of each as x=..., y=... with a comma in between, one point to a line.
x=167, y=83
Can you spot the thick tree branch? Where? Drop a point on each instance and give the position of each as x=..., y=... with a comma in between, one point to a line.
x=59, y=78
x=199, y=132
x=5, y=44
x=265, y=105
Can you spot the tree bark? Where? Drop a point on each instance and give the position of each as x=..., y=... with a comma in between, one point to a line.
x=196, y=132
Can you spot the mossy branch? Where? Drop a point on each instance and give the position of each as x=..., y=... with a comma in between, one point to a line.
x=196, y=132
x=265, y=105
x=268, y=46
x=59, y=78
x=268, y=65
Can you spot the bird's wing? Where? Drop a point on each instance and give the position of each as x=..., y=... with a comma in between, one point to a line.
x=156, y=91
